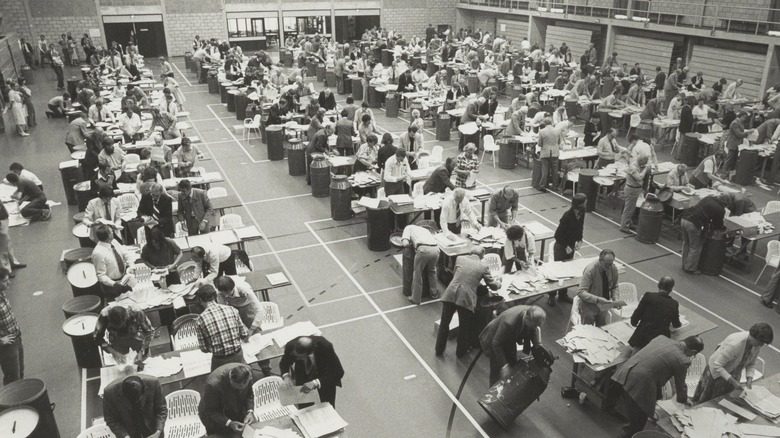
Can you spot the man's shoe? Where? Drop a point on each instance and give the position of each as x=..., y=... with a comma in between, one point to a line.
x=766, y=304
x=18, y=265
x=625, y=230
x=551, y=301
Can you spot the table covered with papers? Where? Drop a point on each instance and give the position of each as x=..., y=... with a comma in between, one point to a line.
x=315, y=421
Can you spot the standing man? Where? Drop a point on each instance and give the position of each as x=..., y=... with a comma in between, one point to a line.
x=318, y=144
x=27, y=52
x=194, y=208
x=655, y=314
x=466, y=164
x=632, y=190
x=503, y=207
x=11, y=350
x=670, y=88
x=78, y=132
x=440, y=180
x=597, y=289
x=637, y=380
x=461, y=296
x=734, y=137
x=706, y=172
x=156, y=206
x=219, y=329
x=568, y=237
x=227, y=402
x=215, y=260
x=707, y=215
x=430, y=33
x=43, y=49
x=517, y=325
x=134, y=407
x=426, y=256
x=456, y=209
x=311, y=362
x=549, y=141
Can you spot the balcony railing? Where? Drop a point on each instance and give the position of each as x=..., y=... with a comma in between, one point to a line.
x=698, y=15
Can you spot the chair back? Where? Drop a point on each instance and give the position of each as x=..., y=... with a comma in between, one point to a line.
x=97, y=431
x=268, y=316
x=184, y=333
x=489, y=143
x=141, y=273
x=128, y=203
x=268, y=403
x=627, y=292
x=247, y=123
x=380, y=193
x=188, y=271
x=771, y=207
x=635, y=120
x=437, y=154
x=230, y=221
x=772, y=251
x=418, y=189
x=183, y=420
x=493, y=261
x=423, y=161
x=216, y=192
x=140, y=237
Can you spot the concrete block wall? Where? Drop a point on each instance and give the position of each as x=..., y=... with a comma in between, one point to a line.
x=53, y=27
x=476, y=20
x=411, y=17
x=115, y=3
x=180, y=30
x=15, y=19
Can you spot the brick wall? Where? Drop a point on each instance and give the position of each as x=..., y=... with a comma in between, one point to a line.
x=69, y=8
x=193, y=6
x=411, y=17
x=477, y=20
x=180, y=29
x=14, y=19
x=53, y=27
x=114, y=3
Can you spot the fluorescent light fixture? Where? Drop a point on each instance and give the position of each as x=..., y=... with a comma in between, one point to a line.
x=621, y=17
x=640, y=19
x=541, y=9
x=557, y=10
x=773, y=33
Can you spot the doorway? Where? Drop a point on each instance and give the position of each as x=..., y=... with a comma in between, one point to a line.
x=148, y=32
x=352, y=27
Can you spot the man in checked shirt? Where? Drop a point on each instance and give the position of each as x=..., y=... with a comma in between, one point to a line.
x=219, y=329
x=11, y=352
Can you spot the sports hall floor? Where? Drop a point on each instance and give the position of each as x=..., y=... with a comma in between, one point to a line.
x=394, y=385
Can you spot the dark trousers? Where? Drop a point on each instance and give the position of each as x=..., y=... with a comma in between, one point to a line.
x=28, y=59
x=34, y=210
x=731, y=160
x=228, y=267
x=772, y=292
x=218, y=361
x=549, y=169
x=637, y=418
x=56, y=112
x=12, y=361
x=454, y=227
x=466, y=333
x=60, y=76
x=559, y=255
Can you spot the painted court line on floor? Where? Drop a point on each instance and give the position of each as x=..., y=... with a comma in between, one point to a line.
x=281, y=198
x=183, y=76
x=298, y=248
x=252, y=159
x=401, y=337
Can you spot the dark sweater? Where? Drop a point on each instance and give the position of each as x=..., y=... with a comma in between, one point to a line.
x=569, y=229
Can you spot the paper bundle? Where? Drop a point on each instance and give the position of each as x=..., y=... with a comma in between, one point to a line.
x=160, y=367
x=592, y=343
x=763, y=401
x=705, y=423
x=318, y=420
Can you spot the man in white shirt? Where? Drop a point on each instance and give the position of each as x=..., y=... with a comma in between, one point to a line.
x=456, y=209
x=23, y=173
x=639, y=149
x=675, y=105
x=419, y=77
x=99, y=113
x=426, y=256
x=103, y=210
x=111, y=263
x=396, y=173
x=731, y=90
x=215, y=260
x=130, y=124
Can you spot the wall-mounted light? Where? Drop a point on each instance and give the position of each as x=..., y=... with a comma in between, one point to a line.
x=621, y=17
x=557, y=10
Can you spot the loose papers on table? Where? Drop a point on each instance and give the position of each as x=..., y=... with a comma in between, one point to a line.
x=763, y=401
x=704, y=423
x=318, y=420
x=592, y=343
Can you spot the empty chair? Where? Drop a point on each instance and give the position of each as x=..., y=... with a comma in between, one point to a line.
x=230, y=221
x=268, y=316
x=437, y=156
x=183, y=420
x=759, y=372
x=633, y=123
x=97, y=431
x=772, y=257
x=418, y=189
x=268, y=404
x=183, y=334
x=771, y=207
x=249, y=126
x=489, y=146
x=131, y=162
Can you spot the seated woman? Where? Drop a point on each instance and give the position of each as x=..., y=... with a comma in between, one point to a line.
x=161, y=252
x=518, y=248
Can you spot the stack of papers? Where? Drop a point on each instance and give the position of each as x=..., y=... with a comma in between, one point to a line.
x=400, y=199
x=160, y=367
x=449, y=240
x=431, y=201
x=277, y=278
x=319, y=420
x=763, y=401
x=705, y=423
x=757, y=430
x=592, y=343
x=254, y=345
x=268, y=432
x=286, y=334
x=364, y=178
x=195, y=363
x=367, y=202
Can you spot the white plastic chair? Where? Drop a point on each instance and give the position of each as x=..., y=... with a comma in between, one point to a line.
x=131, y=162
x=268, y=403
x=380, y=193
x=634, y=123
x=575, y=318
x=418, y=189
x=251, y=125
x=230, y=221
x=489, y=145
x=128, y=203
x=188, y=271
x=692, y=377
x=771, y=207
x=268, y=316
x=437, y=156
x=573, y=177
x=424, y=161
x=183, y=420
x=184, y=336
x=772, y=257
x=142, y=273
x=140, y=237
x=493, y=261
x=97, y=431
x=216, y=192
x=625, y=292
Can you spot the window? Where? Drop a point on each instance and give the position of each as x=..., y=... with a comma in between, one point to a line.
x=272, y=25
x=258, y=28
x=290, y=25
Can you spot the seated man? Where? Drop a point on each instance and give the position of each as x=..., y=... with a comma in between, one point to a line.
x=99, y=113
x=115, y=158
x=111, y=261
x=194, y=208
x=134, y=407
x=130, y=124
x=103, y=210
x=32, y=200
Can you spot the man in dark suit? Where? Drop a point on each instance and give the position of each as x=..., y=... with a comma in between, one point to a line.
x=471, y=114
x=637, y=380
x=654, y=314
x=310, y=361
x=499, y=339
x=134, y=407
x=318, y=144
x=227, y=400
x=194, y=208
x=158, y=206
x=405, y=82
x=27, y=52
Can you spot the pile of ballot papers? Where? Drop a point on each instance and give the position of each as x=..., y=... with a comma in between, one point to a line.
x=705, y=423
x=592, y=343
x=364, y=179
x=763, y=401
x=487, y=236
x=318, y=420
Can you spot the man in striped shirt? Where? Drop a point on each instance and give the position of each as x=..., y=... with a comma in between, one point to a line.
x=219, y=329
x=11, y=352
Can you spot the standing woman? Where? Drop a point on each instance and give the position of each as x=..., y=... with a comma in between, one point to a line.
x=18, y=112
x=56, y=65
x=28, y=104
x=568, y=237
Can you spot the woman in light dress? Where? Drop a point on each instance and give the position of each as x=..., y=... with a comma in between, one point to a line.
x=17, y=108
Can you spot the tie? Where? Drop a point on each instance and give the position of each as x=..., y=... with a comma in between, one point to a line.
x=155, y=210
x=119, y=262
x=604, y=285
x=108, y=210
x=457, y=213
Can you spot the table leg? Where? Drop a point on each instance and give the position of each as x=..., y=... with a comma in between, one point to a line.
x=541, y=250
x=264, y=293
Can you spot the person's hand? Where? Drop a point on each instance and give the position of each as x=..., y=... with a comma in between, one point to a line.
x=310, y=386
x=249, y=418
x=236, y=426
x=203, y=226
x=7, y=340
x=287, y=379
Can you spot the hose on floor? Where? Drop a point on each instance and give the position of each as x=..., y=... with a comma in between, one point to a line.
x=460, y=390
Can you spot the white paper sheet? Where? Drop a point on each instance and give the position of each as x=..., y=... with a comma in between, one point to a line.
x=195, y=363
